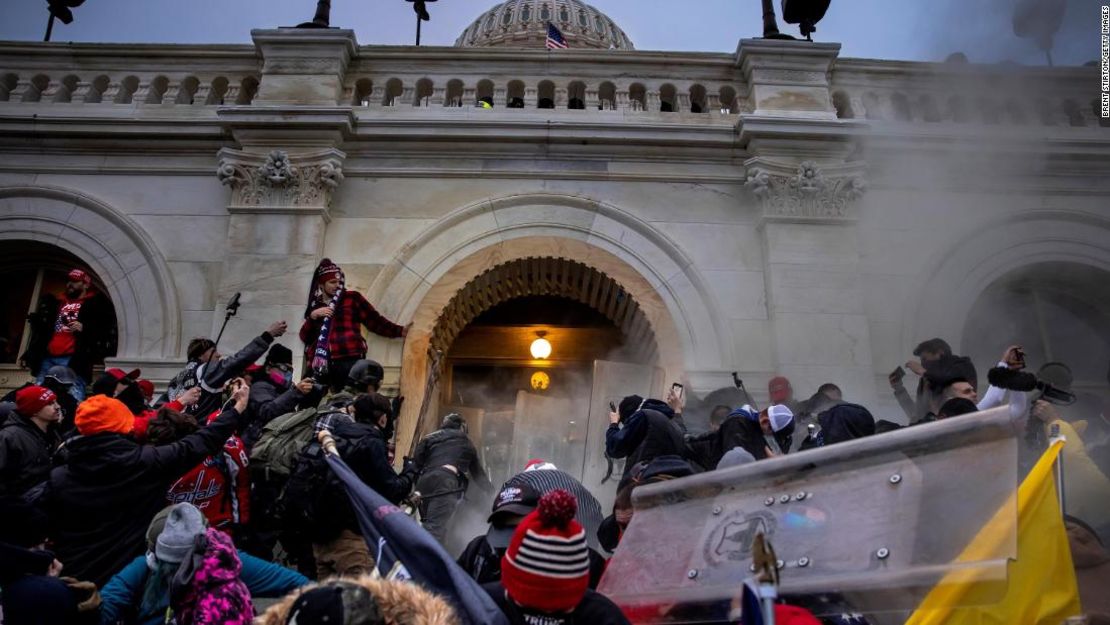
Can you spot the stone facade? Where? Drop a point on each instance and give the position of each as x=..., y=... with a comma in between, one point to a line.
x=793, y=212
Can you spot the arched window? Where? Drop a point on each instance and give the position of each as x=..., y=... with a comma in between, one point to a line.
x=30, y=271
x=485, y=91
x=728, y=100
x=393, y=90
x=8, y=82
x=607, y=96
x=157, y=89
x=515, y=95
x=843, y=105
x=489, y=22
x=599, y=24
x=217, y=92
x=247, y=90
x=546, y=93
x=363, y=87
x=637, y=97
x=901, y=105
x=667, y=98
x=583, y=19
x=564, y=14
x=526, y=13
x=507, y=17
x=545, y=13
x=576, y=95
x=697, y=99
x=454, y=93
x=424, y=88
x=1057, y=312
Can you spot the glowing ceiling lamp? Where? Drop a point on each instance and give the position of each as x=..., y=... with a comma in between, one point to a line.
x=541, y=347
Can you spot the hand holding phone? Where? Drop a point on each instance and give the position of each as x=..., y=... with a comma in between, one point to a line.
x=896, y=376
x=614, y=416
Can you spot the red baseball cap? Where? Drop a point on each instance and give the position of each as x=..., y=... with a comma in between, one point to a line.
x=120, y=375
x=779, y=389
x=77, y=275
x=148, y=389
x=31, y=399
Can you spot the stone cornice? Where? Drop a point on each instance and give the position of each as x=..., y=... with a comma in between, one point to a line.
x=277, y=182
x=805, y=192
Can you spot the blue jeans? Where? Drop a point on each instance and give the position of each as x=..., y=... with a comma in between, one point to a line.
x=78, y=388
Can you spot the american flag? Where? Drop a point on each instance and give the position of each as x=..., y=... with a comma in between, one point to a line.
x=554, y=37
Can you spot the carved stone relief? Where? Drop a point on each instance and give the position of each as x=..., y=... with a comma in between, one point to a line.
x=805, y=191
x=278, y=180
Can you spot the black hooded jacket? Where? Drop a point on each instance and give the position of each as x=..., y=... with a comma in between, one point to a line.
x=740, y=431
x=843, y=422
x=449, y=446
x=102, y=501
x=25, y=453
x=652, y=431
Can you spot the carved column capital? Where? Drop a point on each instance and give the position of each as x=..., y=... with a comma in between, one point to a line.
x=278, y=182
x=805, y=191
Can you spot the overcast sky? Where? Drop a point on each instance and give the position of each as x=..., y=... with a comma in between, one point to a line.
x=925, y=30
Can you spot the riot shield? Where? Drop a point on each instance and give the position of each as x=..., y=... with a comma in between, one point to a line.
x=550, y=428
x=866, y=526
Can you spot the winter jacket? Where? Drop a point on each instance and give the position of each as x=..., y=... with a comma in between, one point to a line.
x=647, y=433
x=739, y=429
x=25, y=453
x=123, y=594
x=363, y=447
x=594, y=609
x=449, y=446
x=213, y=594
x=219, y=486
x=101, y=503
x=841, y=423
x=17, y=562
x=211, y=376
x=345, y=334
x=96, y=340
x=269, y=401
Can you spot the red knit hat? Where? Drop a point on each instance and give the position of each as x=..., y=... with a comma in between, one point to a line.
x=547, y=564
x=101, y=413
x=31, y=399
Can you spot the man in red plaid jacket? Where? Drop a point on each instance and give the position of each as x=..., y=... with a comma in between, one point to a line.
x=344, y=343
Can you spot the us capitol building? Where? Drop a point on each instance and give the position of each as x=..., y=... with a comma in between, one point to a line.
x=656, y=216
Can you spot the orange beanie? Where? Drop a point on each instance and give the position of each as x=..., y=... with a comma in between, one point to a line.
x=101, y=413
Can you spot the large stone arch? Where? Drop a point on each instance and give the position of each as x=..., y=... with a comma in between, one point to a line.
x=116, y=248
x=957, y=276
x=430, y=269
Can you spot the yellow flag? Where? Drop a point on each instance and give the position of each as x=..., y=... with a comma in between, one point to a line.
x=1041, y=588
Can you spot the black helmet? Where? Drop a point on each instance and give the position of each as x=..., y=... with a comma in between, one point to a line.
x=365, y=373
x=62, y=374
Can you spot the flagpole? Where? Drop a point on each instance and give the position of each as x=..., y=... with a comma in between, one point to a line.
x=418, y=29
x=1054, y=436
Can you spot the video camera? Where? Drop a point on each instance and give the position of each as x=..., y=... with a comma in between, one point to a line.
x=1011, y=380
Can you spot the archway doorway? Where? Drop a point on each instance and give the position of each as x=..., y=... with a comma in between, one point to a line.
x=1059, y=312
x=519, y=405
x=32, y=270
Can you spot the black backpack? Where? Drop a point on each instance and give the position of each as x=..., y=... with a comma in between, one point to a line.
x=311, y=496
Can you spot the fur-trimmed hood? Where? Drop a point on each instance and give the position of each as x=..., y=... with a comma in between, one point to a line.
x=401, y=603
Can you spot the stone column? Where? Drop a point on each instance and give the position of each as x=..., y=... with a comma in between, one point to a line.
x=821, y=331
x=279, y=213
x=805, y=194
x=282, y=177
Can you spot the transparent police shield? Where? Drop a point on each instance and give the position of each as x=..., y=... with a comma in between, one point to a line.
x=868, y=526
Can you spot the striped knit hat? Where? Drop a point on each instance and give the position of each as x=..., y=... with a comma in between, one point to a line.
x=547, y=564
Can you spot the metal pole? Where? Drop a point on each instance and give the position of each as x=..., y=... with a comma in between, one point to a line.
x=418, y=30
x=1054, y=437
x=49, y=28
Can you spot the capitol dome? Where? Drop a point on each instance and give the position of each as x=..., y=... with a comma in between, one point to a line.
x=523, y=24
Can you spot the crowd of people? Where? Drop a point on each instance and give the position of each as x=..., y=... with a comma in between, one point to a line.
x=194, y=507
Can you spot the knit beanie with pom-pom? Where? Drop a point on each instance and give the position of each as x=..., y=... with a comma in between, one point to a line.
x=547, y=564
